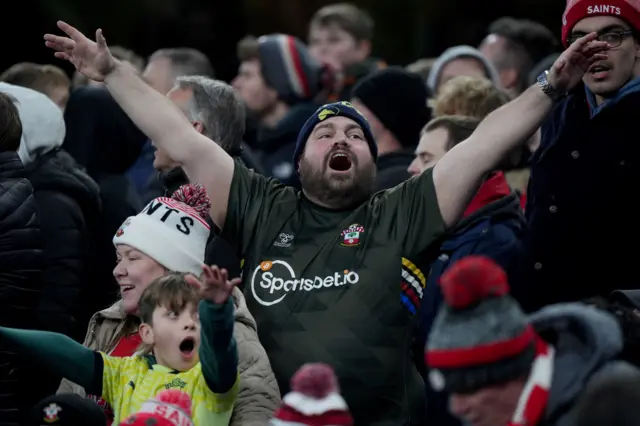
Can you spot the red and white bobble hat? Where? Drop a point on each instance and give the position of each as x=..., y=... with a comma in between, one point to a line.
x=171, y=407
x=314, y=400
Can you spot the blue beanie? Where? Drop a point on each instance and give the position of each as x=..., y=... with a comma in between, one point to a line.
x=337, y=109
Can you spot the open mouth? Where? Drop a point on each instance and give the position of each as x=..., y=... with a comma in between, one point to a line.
x=599, y=71
x=126, y=288
x=187, y=346
x=340, y=161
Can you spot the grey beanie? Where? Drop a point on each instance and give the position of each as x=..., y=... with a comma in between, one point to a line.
x=480, y=336
x=459, y=52
x=289, y=68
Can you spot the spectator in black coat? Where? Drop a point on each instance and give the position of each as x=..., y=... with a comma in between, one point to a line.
x=103, y=139
x=20, y=255
x=68, y=203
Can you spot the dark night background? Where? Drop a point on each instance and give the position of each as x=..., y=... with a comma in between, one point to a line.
x=405, y=29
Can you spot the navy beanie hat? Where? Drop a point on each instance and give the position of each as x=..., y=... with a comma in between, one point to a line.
x=288, y=68
x=337, y=109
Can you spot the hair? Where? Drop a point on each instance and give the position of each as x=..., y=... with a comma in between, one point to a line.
x=470, y=96
x=186, y=61
x=118, y=52
x=421, y=67
x=348, y=17
x=248, y=49
x=171, y=291
x=459, y=127
x=10, y=124
x=217, y=106
x=35, y=76
x=527, y=43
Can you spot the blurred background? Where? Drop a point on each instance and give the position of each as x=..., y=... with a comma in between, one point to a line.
x=405, y=29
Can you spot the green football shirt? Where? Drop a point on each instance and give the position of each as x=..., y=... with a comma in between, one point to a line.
x=338, y=286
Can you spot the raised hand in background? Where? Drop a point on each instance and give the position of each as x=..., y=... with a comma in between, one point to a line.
x=93, y=59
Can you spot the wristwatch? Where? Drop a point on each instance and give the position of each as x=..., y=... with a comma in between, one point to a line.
x=547, y=88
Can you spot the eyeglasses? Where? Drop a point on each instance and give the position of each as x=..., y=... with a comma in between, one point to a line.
x=613, y=39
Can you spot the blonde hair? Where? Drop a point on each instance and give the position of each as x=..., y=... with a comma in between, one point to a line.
x=469, y=96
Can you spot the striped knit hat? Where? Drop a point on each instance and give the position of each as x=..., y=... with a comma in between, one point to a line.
x=288, y=68
x=314, y=400
x=480, y=336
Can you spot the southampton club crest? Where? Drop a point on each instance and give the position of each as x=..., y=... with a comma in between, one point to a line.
x=352, y=235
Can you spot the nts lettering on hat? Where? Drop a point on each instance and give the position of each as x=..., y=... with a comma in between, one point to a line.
x=173, y=214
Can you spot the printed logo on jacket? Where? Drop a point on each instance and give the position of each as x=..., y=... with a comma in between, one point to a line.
x=273, y=281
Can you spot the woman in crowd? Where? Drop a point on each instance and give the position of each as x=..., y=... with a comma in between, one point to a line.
x=170, y=235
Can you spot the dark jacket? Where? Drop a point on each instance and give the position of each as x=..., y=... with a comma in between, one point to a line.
x=587, y=343
x=277, y=145
x=68, y=203
x=579, y=198
x=20, y=269
x=104, y=140
x=495, y=231
x=392, y=169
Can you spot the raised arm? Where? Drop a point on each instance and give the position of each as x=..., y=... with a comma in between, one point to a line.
x=218, y=351
x=203, y=161
x=459, y=173
x=61, y=355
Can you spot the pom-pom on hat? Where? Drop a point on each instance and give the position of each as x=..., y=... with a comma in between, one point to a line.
x=336, y=109
x=480, y=336
x=314, y=400
x=172, y=231
x=576, y=10
x=171, y=407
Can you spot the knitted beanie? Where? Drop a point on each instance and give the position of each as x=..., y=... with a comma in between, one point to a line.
x=288, y=68
x=576, y=10
x=337, y=109
x=314, y=400
x=171, y=407
x=66, y=409
x=172, y=231
x=408, y=95
x=460, y=52
x=480, y=336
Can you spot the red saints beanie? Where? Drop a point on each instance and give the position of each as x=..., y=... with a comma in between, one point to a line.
x=171, y=407
x=314, y=400
x=576, y=10
x=480, y=336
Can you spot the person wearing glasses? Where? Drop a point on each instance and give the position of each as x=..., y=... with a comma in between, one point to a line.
x=581, y=207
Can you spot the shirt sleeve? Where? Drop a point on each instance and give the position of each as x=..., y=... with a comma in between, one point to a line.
x=412, y=215
x=253, y=199
x=113, y=378
x=218, y=351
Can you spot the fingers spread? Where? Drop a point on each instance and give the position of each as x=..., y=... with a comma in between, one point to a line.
x=192, y=281
x=69, y=30
x=62, y=55
x=102, y=42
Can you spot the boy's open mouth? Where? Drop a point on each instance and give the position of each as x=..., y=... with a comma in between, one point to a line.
x=187, y=346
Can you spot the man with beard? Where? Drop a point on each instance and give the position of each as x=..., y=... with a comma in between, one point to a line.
x=329, y=271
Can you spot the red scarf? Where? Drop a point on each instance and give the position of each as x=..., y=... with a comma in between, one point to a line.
x=535, y=395
x=493, y=189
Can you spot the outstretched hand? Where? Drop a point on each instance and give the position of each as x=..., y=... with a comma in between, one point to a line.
x=570, y=67
x=214, y=284
x=93, y=59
